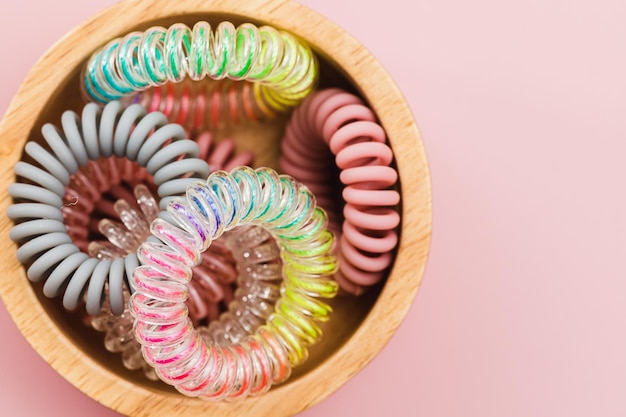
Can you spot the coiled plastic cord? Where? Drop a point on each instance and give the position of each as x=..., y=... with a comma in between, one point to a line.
x=95, y=187
x=208, y=104
x=214, y=275
x=45, y=245
x=179, y=354
x=92, y=192
x=258, y=287
x=333, y=124
x=283, y=69
x=259, y=267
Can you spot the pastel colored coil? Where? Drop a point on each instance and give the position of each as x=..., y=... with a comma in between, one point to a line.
x=208, y=104
x=95, y=187
x=283, y=69
x=178, y=352
x=131, y=226
x=334, y=134
x=126, y=225
x=131, y=133
x=92, y=191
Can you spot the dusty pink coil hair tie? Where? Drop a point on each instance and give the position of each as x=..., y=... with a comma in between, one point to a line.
x=94, y=188
x=92, y=210
x=334, y=134
x=92, y=192
x=222, y=155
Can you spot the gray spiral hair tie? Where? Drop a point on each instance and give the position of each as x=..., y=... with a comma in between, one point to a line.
x=44, y=244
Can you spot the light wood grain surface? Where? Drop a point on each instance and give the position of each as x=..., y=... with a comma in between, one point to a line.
x=359, y=328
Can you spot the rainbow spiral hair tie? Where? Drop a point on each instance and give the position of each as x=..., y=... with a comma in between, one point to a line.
x=180, y=355
x=283, y=69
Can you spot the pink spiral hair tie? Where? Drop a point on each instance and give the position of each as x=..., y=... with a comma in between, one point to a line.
x=333, y=123
x=93, y=190
x=206, y=104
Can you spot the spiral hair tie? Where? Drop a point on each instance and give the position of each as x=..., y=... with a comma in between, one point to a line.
x=335, y=123
x=91, y=194
x=283, y=70
x=179, y=354
x=222, y=156
x=209, y=104
x=259, y=267
x=259, y=276
x=45, y=245
x=214, y=275
x=93, y=190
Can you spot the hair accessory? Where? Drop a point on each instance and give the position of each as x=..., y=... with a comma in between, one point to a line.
x=214, y=275
x=179, y=354
x=48, y=251
x=92, y=192
x=207, y=104
x=335, y=123
x=282, y=68
x=96, y=186
x=222, y=155
x=258, y=287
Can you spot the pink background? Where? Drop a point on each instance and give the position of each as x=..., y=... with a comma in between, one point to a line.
x=522, y=311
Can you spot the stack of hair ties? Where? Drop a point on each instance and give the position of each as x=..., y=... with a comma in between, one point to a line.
x=208, y=273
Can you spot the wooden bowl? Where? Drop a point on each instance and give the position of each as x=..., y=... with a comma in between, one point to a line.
x=360, y=327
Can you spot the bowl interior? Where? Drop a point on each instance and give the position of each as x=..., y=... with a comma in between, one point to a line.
x=263, y=138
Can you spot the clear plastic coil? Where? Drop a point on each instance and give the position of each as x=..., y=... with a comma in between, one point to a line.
x=258, y=287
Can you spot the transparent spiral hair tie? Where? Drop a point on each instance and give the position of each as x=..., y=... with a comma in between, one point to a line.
x=178, y=352
x=214, y=275
x=283, y=69
x=334, y=131
x=44, y=244
x=258, y=287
